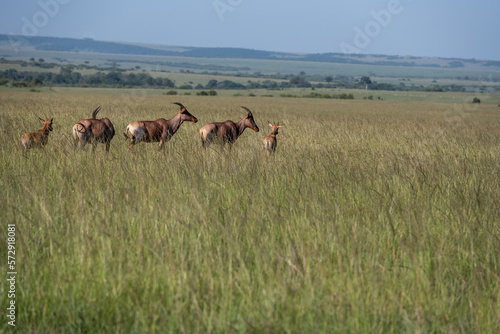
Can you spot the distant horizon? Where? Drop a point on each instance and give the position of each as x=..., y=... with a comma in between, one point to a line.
x=247, y=48
x=277, y=51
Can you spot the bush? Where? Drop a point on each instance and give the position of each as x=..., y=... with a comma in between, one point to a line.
x=36, y=82
x=205, y=93
x=342, y=96
x=171, y=92
x=19, y=84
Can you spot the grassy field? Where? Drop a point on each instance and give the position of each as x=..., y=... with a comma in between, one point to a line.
x=372, y=217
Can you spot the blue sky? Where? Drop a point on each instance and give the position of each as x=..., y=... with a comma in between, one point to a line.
x=446, y=28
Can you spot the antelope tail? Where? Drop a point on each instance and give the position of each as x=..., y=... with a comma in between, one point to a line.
x=81, y=129
x=127, y=134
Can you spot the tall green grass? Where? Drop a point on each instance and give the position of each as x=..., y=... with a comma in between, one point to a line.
x=373, y=216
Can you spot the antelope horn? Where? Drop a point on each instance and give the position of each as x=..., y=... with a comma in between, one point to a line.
x=179, y=104
x=249, y=112
x=94, y=113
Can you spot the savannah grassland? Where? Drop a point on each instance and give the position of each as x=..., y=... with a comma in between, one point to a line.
x=372, y=217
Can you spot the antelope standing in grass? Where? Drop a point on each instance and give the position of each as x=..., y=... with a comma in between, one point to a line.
x=270, y=141
x=93, y=131
x=38, y=138
x=160, y=130
x=228, y=131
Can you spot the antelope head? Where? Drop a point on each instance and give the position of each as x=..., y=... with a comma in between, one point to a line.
x=275, y=127
x=184, y=114
x=249, y=121
x=47, y=124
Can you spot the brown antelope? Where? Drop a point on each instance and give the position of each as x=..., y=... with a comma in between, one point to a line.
x=270, y=141
x=38, y=138
x=93, y=131
x=228, y=131
x=160, y=130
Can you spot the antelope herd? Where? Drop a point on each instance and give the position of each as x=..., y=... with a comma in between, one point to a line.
x=93, y=131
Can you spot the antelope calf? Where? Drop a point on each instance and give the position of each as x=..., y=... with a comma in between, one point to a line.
x=93, y=131
x=269, y=143
x=38, y=138
x=160, y=130
x=228, y=131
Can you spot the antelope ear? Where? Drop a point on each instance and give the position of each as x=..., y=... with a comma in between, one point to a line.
x=42, y=120
x=270, y=124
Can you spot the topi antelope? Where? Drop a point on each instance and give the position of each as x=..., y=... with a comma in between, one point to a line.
x=38, y=138
x=160, y=130
x=228, y=131
x=93, y=131
x=270, y=141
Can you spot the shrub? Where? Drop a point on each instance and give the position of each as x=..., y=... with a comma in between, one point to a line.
x=205, y=93
x=19, y=84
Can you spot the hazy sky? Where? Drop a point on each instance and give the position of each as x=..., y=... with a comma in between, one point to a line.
x=445, y=28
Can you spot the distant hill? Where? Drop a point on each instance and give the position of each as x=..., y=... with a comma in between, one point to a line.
x=93, y=46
